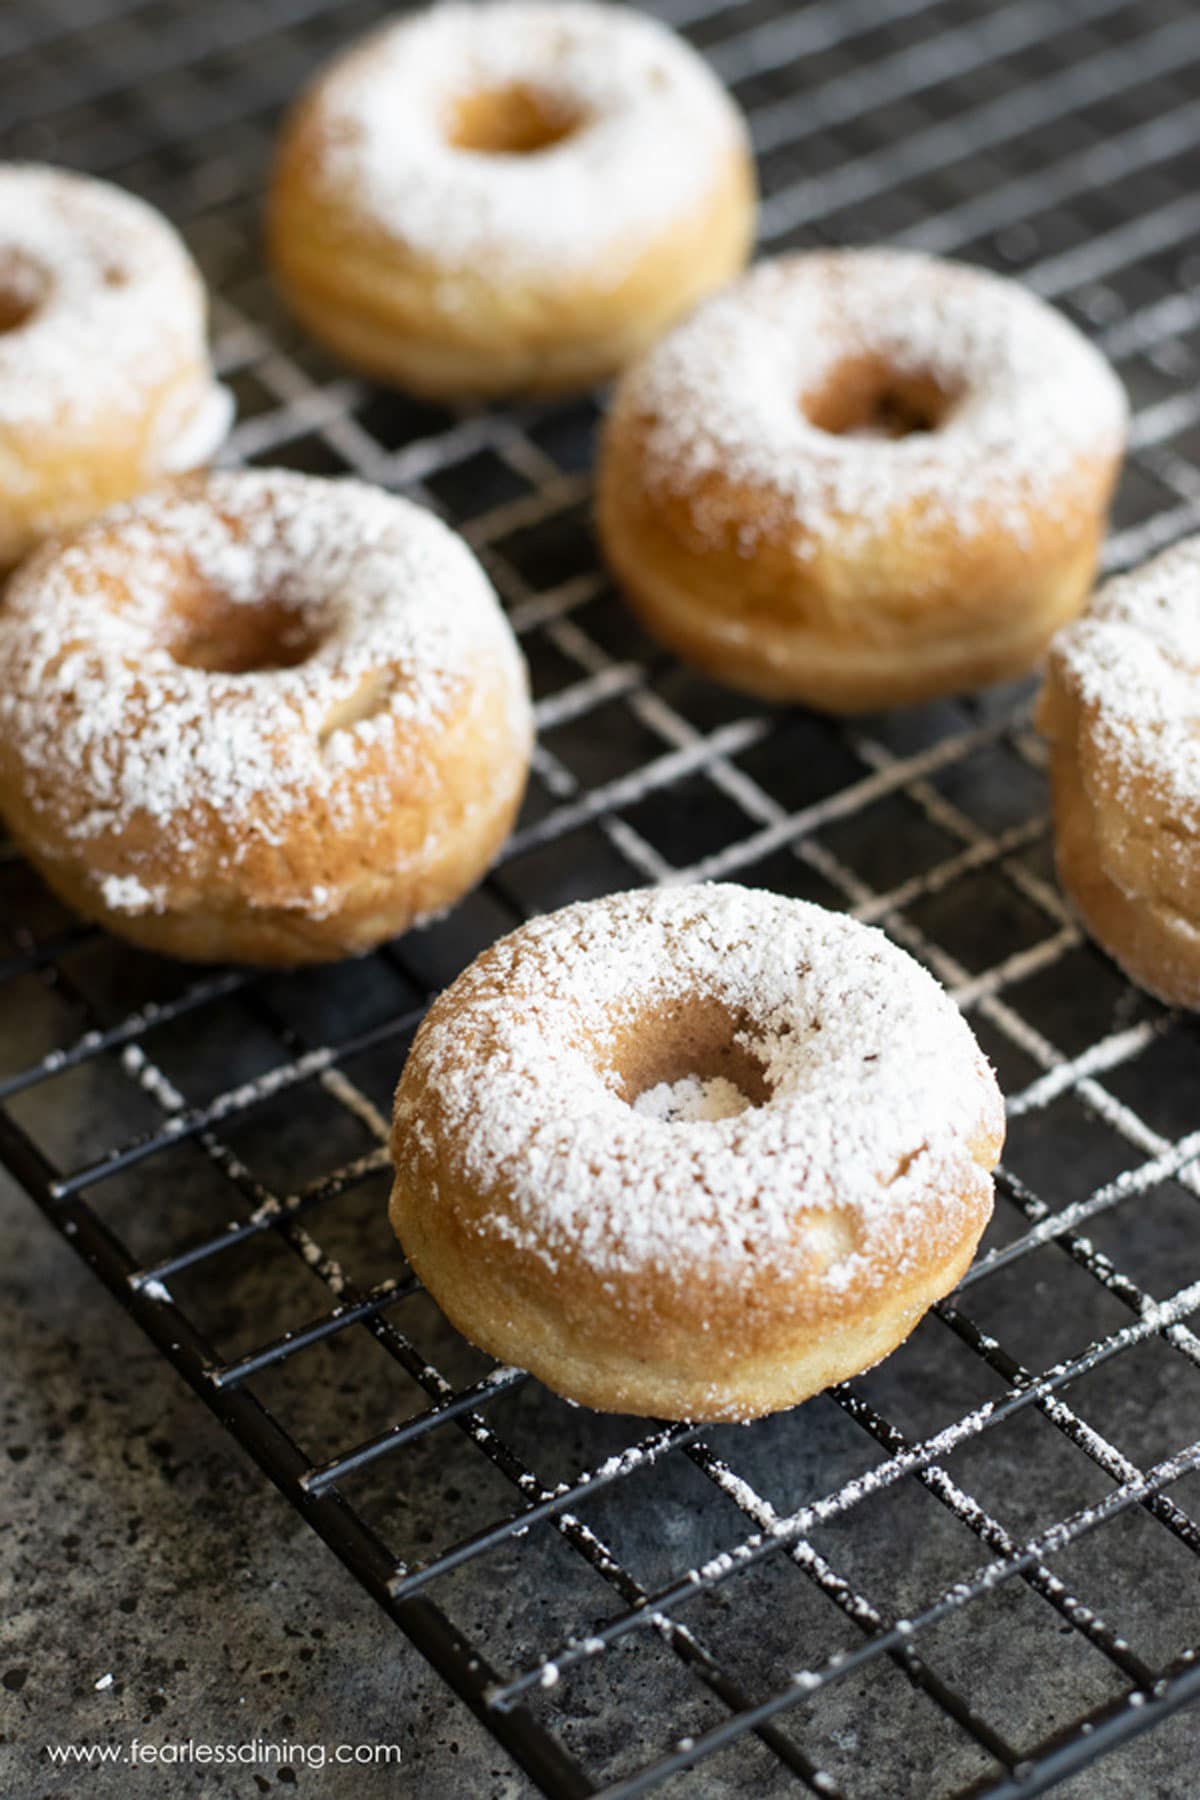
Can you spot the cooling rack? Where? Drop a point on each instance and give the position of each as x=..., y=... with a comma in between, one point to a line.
x=970, y=1571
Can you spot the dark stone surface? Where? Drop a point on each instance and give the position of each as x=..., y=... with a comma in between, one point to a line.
x=138, y=1541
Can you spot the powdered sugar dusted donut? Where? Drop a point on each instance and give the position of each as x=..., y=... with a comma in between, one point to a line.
x=260, y=716
x=696, y=1152
x=1121, y=709
x=860, y=478
x=512, y=195
x=105, y=382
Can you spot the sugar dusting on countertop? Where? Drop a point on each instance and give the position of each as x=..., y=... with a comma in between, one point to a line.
x=877, y=1090
x=116, y=312
x=110, y=732
x=654, y=128
x=723, y=395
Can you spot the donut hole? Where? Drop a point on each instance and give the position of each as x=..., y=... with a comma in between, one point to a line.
x=689, y=1061
x=22, y=287
x=511, y=121
x=209, y=631
x=865, y=397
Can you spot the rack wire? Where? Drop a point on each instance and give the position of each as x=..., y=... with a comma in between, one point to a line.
x=966, y=1572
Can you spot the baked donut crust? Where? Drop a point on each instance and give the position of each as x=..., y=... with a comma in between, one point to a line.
x=1120, y=709
x=692, y=1153
x=105, y=381
x=510, y=197
x=861, y=478
x=260, y=717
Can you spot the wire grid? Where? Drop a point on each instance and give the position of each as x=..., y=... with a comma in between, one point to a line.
x=946, y=1576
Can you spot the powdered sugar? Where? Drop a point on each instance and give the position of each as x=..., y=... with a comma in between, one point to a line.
x=130, y=894
x=118, y=743
x=1028, y=400
x=116, y=314
x=876, y=1091
x=651, y=129
x=1135, y=658
x=685, y=1101
x=188, y=435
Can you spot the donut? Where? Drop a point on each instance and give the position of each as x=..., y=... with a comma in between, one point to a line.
x=260, y=717
x=694, y=1152
x=509, y=197
x=105, y=380
x=861, y=478
x=1120, y=709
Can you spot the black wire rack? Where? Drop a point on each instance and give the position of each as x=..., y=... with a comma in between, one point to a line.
x=970, y=1571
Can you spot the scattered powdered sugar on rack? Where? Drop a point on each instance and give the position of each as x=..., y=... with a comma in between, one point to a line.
x=108, y=733
x=113, y=311
x=877, y=1093
x=1135, y=658
x=650, y=127
x=721, y=401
